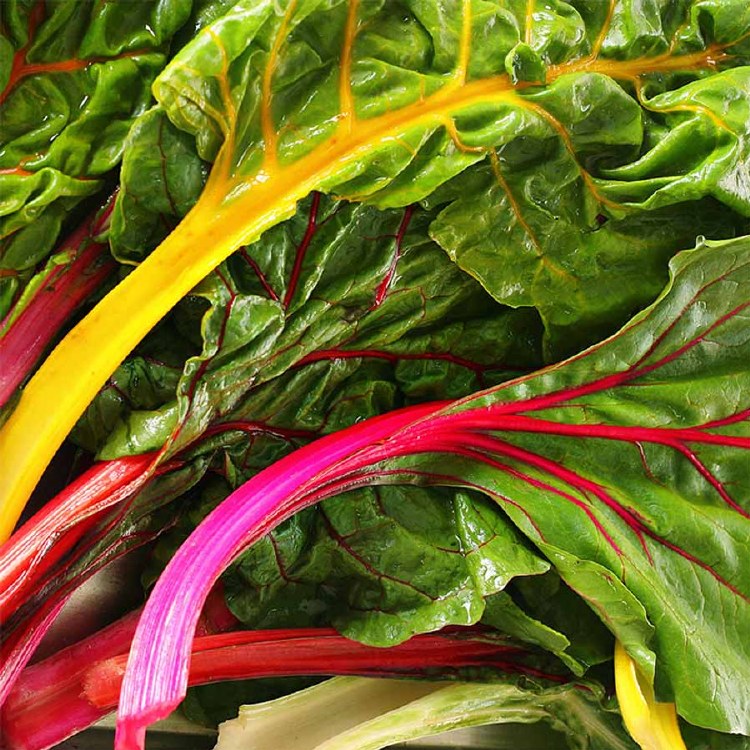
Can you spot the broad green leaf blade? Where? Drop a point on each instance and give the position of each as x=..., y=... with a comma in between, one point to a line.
x=630, y=543
x=627, y=467
x=553, y=220
x=291, y=98
x=161, y=178
x=382, y=565
x=339, y=314
x=336, y=288
x=544, y=611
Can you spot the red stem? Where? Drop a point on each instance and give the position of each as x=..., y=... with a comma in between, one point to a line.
x=76, y=687
x=671, y=436
x=52, y=532
x=312, y=652
x=47, y=704
x=25, y=338
x=19, y=648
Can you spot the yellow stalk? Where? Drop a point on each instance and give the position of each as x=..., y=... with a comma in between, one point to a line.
x=73, y=373
x=651, y=724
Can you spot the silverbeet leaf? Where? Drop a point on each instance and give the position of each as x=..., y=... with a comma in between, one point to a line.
x=73, y=76
x=626, y=466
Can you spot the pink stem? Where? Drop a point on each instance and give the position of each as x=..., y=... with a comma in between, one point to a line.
x=247, y=514
x=60, y=293
x=16, y=652
x=76, y=687
x=46, y=537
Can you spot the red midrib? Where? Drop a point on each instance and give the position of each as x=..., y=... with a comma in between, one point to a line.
x=312, y=226
x=38, y=545
x=671, y=436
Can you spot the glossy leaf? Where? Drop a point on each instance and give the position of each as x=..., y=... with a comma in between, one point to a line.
x=380, y=565
x=561, y=199
x=90, y=69
x=338, y=288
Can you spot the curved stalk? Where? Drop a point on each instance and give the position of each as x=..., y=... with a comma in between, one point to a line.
x=651, y=724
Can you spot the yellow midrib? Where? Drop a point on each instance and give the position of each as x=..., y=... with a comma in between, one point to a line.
x=651, y=724
x=73, y=373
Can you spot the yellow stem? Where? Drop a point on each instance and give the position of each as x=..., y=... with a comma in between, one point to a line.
x=651, y=724
x=73, y=373
x=230, y=213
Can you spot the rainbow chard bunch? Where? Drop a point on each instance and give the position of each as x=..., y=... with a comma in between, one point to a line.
x=400, y=333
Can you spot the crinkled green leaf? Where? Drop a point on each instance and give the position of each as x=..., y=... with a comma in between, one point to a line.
x=382, y=565
x=88, y=68
x=335, y=287
x=161, y=178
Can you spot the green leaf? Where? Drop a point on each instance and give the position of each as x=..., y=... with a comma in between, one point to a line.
x=627, y=468
x=161, y=178
x=286, y=318
x=338, y=287
x=382, y=565
x=581, y=189
x=544, y=611
x=89, y=67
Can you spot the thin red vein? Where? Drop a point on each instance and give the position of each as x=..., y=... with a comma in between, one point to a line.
x=667, y=358
x=669, y=436
x=302, y=250
x=385, y=284
x=565, y=475
x=537, y=403
x=711, y=479
x=636, y=525
x=725, y=421
x=538, y=484
x=327, y=354
x=366, y=564
x=261, y=276
x=63, y=66
x=256, y=427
